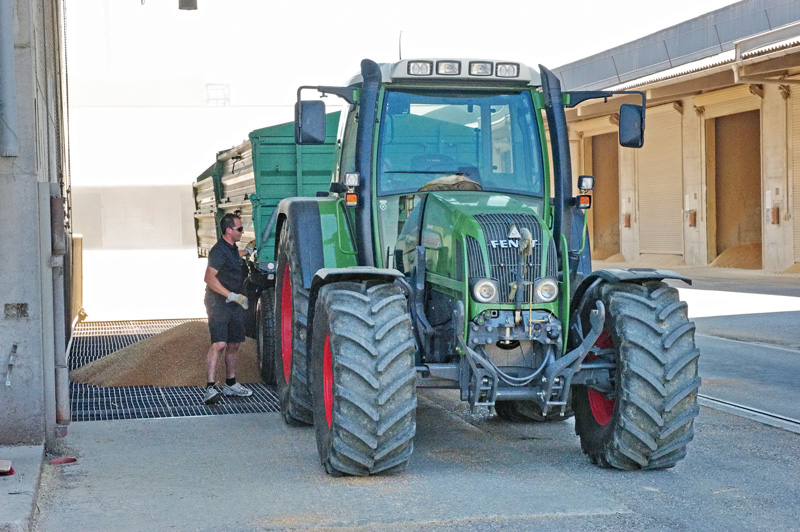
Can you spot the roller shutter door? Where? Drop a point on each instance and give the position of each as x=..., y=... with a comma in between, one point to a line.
x=660, y=183
x=796, y=172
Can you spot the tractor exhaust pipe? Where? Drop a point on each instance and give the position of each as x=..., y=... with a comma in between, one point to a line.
x=365, y=134
x=562, y=170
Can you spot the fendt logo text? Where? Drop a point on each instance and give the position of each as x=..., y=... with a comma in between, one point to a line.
x=507, y=244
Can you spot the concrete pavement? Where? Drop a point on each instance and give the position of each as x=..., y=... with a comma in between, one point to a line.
x=18, y=492
x=470, y=472
x=254, y=472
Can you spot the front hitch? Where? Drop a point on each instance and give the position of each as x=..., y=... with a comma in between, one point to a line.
x=559, y=374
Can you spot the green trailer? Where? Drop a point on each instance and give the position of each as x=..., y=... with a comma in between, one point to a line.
x=251, y=179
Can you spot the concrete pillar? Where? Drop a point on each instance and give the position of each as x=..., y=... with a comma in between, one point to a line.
x=628, y=212
x=776, y=227
x=694, y=200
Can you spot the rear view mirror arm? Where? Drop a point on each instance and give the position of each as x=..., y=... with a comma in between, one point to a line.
x=577, y=97
x=348, y=94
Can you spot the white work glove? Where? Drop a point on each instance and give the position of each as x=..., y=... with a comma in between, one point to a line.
x=249, y=251
x=239, y=299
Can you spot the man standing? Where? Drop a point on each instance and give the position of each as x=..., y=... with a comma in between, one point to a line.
x=226, y=308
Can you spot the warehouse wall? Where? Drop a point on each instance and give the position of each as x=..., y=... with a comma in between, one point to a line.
x=28, y=179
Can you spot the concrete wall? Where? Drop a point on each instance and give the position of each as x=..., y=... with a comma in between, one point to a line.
x=27, y=415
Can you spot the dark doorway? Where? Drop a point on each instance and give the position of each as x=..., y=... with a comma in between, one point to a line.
x=734, y=190
x=605, y=203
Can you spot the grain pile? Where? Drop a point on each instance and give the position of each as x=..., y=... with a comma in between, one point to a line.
x=616, y=257
x=176, y=357
x=795, y=268
x=745, y=256
x=604, y=254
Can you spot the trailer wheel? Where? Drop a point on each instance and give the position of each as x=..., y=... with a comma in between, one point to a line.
x=647, y=420
x=363, y=381
x=265, y=316
x=291, y=302
x=527, y=411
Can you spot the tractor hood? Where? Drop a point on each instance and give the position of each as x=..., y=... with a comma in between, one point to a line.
x=470, y=234
x=471, y=203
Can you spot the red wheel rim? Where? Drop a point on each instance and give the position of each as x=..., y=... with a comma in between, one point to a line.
x=601, y=406
x=286, y=323
x=327, y=380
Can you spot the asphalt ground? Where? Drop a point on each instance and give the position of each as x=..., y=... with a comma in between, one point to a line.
x=469, y=472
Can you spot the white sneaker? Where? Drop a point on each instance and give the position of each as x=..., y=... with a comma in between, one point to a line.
x=211, y=396
x=237, y=389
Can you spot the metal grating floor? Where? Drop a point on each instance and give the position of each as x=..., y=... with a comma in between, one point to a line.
x=93, y=340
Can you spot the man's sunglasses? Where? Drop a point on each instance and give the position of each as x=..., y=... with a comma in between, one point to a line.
x=240, y=229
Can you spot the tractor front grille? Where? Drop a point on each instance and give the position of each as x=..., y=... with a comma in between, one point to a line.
x=475, y=258
x=504, y=261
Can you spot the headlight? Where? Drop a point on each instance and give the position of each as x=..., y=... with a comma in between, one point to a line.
x=420, y=68
x=448, y=68
x=507, y=70
x=546, y=290
x=480, y=68
x=484, y=291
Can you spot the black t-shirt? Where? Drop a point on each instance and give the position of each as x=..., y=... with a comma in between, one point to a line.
x=224, y=258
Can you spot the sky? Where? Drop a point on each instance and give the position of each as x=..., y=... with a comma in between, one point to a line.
x=265, y=48
x=128, y=58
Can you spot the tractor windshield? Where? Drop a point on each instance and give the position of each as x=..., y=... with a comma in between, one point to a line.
x=459, y=141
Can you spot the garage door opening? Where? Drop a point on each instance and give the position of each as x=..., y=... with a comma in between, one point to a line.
x=734, y=190
x=605, y=203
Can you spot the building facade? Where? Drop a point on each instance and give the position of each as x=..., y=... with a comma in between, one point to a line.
x=718, y=179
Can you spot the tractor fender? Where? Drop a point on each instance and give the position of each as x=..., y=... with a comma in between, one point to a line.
x=353, y=273
x=632, y=275
x=303, y=217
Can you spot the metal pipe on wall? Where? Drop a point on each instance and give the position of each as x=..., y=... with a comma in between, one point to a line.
x=59, y=249
x=9, y=141
x=48, y=331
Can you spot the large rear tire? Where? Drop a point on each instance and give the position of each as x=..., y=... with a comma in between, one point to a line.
x=647, y=421
x=363, y=379
x=291, y=323
x=265, y=336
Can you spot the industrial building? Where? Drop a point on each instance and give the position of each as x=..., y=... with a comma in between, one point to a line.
x=719, y=171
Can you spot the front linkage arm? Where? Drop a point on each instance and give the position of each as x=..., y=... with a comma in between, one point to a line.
x=559, y=374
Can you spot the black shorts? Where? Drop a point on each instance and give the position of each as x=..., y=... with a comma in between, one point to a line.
x=225, y=320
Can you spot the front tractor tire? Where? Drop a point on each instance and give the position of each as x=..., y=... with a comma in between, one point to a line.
x=291, y=323
x=647, y=420
x=363, y=381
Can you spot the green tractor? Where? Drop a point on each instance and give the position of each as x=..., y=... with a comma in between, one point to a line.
x=441, y=258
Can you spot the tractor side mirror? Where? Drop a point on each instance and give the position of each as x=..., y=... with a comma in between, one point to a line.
x=309, y=122
x=631, y=125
